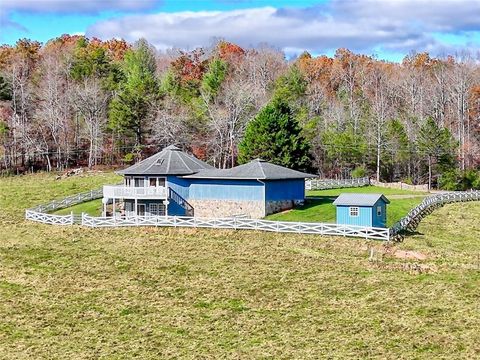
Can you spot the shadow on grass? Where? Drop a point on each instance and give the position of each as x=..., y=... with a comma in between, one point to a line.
x=311, y=201
x=412, y=233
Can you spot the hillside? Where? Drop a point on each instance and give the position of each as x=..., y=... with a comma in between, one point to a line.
x=163, y=293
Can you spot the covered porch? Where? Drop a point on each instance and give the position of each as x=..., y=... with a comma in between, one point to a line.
x=135, y=199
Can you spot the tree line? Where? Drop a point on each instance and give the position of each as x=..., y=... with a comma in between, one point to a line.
x=76, y=101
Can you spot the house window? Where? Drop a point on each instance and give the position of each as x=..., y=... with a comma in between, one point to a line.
x=153, y=181
x=139, y=182
x=127, y=181
x=354, y=211
x=379, y=211
x=156, y=209
x=128, y=207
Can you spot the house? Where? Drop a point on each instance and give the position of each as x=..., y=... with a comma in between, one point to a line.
x=361, y=209
x=173, y=182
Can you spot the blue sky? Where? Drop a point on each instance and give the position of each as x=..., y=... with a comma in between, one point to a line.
x=387, y=29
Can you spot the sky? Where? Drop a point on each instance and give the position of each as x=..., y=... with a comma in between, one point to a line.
x=387, y=29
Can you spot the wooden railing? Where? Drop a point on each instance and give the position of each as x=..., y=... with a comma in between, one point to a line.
x=237, y=223
x=322, y=184
x=410, y=222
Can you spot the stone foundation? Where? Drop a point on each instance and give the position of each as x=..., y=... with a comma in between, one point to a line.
x=281, y=205
x=228, y=208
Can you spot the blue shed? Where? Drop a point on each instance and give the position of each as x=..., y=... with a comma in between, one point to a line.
x=362, y=209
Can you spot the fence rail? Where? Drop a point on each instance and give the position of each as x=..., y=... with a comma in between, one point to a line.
x=428, y=205
x=41, y=214
x=238, y=223
x=322, y=184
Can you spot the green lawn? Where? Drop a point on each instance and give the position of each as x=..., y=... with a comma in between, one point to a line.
x=93, y=208
x=321, y=209
x=150, y=293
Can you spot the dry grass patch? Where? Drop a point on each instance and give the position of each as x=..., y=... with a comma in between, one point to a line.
x=70, y=292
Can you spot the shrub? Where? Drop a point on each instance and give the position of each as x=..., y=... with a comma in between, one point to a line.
x=449, y=180
x=129, y=157
x=359, y=172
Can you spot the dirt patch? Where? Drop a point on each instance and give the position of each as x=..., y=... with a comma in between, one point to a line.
x=406, y=254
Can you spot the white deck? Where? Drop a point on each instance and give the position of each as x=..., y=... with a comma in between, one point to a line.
x=130, y=192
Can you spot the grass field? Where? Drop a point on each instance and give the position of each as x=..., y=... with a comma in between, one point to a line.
x=319, y=207
x=76, y=293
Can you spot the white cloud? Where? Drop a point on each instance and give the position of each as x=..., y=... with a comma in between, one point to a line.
x=72, y=7
x=361, y=25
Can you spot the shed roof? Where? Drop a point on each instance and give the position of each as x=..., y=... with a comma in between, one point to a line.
x=356, y=199
x=257, y=169
x=169, y=161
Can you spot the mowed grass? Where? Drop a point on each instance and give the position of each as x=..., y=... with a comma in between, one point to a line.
x=93, y=208
x=319, y=204
x=78, y=293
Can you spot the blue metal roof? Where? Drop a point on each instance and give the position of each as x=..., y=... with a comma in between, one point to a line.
x=358, y=199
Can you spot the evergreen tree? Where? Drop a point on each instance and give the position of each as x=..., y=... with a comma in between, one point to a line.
x=397, y=153
x=344, y=149
x=213, y=78
x=5, y=89
x=437, y=146
x=132, y=106
x=291, y=87
x=275, y=135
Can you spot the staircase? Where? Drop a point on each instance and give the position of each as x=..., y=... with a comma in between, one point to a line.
x=177, y=198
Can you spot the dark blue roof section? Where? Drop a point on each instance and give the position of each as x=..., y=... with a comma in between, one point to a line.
x=169, y=161
x=358, y=199
x=254, y=170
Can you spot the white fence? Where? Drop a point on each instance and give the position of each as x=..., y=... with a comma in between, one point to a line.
x=322, y=184
x=240, y=223
x=40, y=212
x=430, y=203
x=49, y=218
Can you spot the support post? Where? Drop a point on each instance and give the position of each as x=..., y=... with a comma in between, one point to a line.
x=113, y=208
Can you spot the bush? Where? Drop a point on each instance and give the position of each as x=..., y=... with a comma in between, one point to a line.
x=129, y=157
x=469, y=180
x=359, y=172
x=454, y=180
x=449, y=180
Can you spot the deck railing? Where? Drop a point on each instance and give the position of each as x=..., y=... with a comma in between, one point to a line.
x=322, y=184
x=121, y=191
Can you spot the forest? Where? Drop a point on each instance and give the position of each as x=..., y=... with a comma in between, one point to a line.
x=75, y=101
